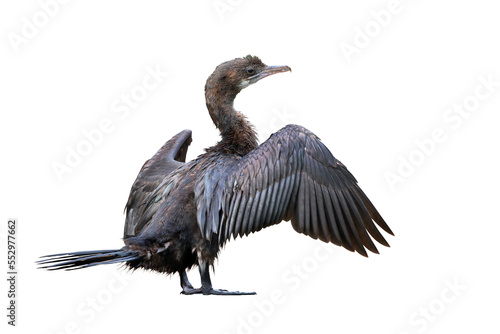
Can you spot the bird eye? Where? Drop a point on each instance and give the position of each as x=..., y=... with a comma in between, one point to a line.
x=250, y=70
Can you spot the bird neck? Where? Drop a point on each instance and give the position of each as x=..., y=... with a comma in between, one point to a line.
x=238, y=134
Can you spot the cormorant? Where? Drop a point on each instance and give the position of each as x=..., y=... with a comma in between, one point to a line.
x=179, y=214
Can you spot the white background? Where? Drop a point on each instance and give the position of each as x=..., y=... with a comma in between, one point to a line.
x=440, y=274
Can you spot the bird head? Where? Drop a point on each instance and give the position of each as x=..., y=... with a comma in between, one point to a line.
x=232, y=76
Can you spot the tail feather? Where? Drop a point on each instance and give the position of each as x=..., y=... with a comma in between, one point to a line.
x=79, y=260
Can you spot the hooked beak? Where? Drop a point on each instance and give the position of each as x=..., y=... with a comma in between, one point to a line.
x=270, y=70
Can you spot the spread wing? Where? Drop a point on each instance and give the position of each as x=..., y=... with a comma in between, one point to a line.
x=291, y=176
x=169, y=157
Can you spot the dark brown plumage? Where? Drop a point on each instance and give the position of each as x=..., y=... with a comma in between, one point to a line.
x=180, y=214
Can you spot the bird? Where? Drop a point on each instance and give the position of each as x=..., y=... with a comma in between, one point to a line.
x=180, y=214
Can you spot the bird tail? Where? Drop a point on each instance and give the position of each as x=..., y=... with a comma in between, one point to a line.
x=79, y=260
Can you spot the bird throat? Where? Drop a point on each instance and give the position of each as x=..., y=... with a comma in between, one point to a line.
x=238, y=134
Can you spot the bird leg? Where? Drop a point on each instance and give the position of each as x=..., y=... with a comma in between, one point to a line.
x=206, y=283
x=187, y=288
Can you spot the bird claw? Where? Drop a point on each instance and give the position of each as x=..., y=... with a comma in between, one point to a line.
x=219, y=292
x=189, y=290
x=222, y=292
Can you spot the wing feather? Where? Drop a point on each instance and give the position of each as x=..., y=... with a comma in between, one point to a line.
x=358, y=223
x=168, y=158
x=324, y=233
x=231, y=226
x=313, y=220
x=357, y=244
x=241, y=215
x=291, y=176
x=330, y=216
